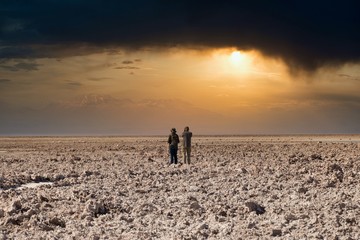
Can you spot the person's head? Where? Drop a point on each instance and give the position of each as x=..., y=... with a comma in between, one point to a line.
x=186, y=129
x=173, y=130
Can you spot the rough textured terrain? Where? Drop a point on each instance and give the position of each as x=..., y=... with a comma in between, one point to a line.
x=281, y=187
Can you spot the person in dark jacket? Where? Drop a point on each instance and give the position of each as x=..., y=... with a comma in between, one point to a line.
x=173, y=142
x=186, y=135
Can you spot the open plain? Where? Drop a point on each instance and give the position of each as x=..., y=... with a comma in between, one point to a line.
x=237, y=187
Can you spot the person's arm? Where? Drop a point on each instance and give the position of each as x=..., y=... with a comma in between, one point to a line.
x=169, y=140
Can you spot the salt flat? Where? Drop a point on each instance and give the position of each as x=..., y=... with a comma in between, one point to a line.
x=123, y=188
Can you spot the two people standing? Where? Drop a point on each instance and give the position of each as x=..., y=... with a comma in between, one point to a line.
x=173, y=142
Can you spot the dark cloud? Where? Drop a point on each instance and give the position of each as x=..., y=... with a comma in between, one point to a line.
x=127, y=67
x=4, y=80
x=95, y=79
x=56, y=50
x=21, y=66
x=127, y=62
x=73, y=84
x=350, y=77
x=306, y=34
x=344, y=75
x=337, y=98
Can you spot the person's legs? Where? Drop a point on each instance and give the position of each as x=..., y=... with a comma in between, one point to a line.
x=172, y=156
x=170, y=153
x=187, y=155
x=184, y=154
x=175, y=156
x=188, y=152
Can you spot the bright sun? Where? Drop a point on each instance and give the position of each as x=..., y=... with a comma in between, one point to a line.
x=236, y=57
x=232, y=61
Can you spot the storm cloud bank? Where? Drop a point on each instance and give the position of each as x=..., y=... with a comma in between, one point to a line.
x=305, y=34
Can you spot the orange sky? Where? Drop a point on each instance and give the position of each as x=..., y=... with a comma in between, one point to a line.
x=143, y=67
x=148, y=91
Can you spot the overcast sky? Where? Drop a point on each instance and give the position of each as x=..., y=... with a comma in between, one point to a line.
x=142, y=67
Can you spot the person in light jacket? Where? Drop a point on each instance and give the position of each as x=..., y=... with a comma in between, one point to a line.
x=186, y=135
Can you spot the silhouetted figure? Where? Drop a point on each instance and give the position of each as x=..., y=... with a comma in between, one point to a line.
x=186, y=135
x=173, y=141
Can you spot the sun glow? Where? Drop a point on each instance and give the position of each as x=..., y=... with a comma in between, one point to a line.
x=236, y=57
x=232, y=62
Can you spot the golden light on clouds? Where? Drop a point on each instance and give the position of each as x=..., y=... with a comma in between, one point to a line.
x=234, y=85
x=232, y=63
x=209, y=77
